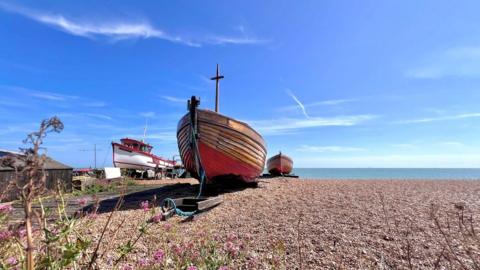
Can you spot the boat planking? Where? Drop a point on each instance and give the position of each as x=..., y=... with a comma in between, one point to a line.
x=280, y=164
x=227, y=147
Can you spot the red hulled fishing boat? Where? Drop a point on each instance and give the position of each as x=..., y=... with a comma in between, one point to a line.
x=217, y=146
x=280, y=164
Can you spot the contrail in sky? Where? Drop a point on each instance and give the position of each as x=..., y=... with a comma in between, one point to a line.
x=289, y=92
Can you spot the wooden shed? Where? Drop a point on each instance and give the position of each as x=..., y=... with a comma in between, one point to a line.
x=56, y=173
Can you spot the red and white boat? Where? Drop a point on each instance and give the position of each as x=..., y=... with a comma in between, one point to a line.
x=135, y=154
x=225, y=148
x=280, y=164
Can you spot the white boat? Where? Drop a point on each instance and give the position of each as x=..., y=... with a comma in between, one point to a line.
x=134, y=154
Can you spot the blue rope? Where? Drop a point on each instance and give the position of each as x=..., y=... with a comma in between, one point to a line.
x=198, y=163
x=178, y=211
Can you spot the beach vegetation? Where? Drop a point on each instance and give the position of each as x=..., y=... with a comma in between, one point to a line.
x=52, y=238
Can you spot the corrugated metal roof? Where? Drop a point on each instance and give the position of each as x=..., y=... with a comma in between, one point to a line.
x=50, y=164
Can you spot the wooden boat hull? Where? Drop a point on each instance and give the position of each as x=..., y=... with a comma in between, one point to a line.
x=227, y=148
x=280, y=164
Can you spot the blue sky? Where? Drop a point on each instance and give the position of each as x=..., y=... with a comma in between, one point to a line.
x=330, y=83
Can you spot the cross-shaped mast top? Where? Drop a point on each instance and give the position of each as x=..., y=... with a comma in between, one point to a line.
x=217, y=78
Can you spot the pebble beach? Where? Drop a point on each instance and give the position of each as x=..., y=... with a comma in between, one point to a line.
x=289, y=223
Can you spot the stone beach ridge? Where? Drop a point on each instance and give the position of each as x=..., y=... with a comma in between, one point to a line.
x=328, y=224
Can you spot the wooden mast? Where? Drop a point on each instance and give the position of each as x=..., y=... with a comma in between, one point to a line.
x=217, y=78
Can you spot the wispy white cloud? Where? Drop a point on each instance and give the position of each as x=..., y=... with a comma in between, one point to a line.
x=38, y=94
x=96, y=104
x=175, y=99
x=242, y=40
x=300, y=104
x=463, y=61
x=147, y=114
x=90, y=29
x=292, y=125
x=98, y=115
x=331, y=102
x=51, y=96
x=439, y=118
x=330, y=148
x=120, y=30
x=83, y=115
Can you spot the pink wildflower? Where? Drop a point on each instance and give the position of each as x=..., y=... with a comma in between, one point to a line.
x=145, y=206
x=231, y=248
x=178, y=250
x=192, y=267
x=143, y=262
x=55, y=230
x=12, y=261
x=21, y=232
x=231, y=237
x=82, y=202
x=157, y=218
x=223, y=268
x=5, y=209
x=167, y=226
x=159, y=255
x=127, y=267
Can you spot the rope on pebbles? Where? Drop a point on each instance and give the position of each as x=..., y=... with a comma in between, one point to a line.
x=168, y=204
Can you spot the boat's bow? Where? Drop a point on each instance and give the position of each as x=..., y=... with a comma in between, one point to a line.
x=221, y=146
x=280, y=164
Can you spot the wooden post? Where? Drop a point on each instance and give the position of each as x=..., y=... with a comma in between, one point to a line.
x=217, y=78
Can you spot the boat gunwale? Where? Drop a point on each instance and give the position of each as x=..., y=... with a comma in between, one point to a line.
x=262, y=143
x=280, y=156
x=247, y=158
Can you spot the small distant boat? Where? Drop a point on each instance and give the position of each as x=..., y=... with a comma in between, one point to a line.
x=224, y=147
x=135, y=154
x=280, y=164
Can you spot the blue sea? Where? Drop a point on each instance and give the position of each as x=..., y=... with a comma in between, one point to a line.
x=384, y=173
